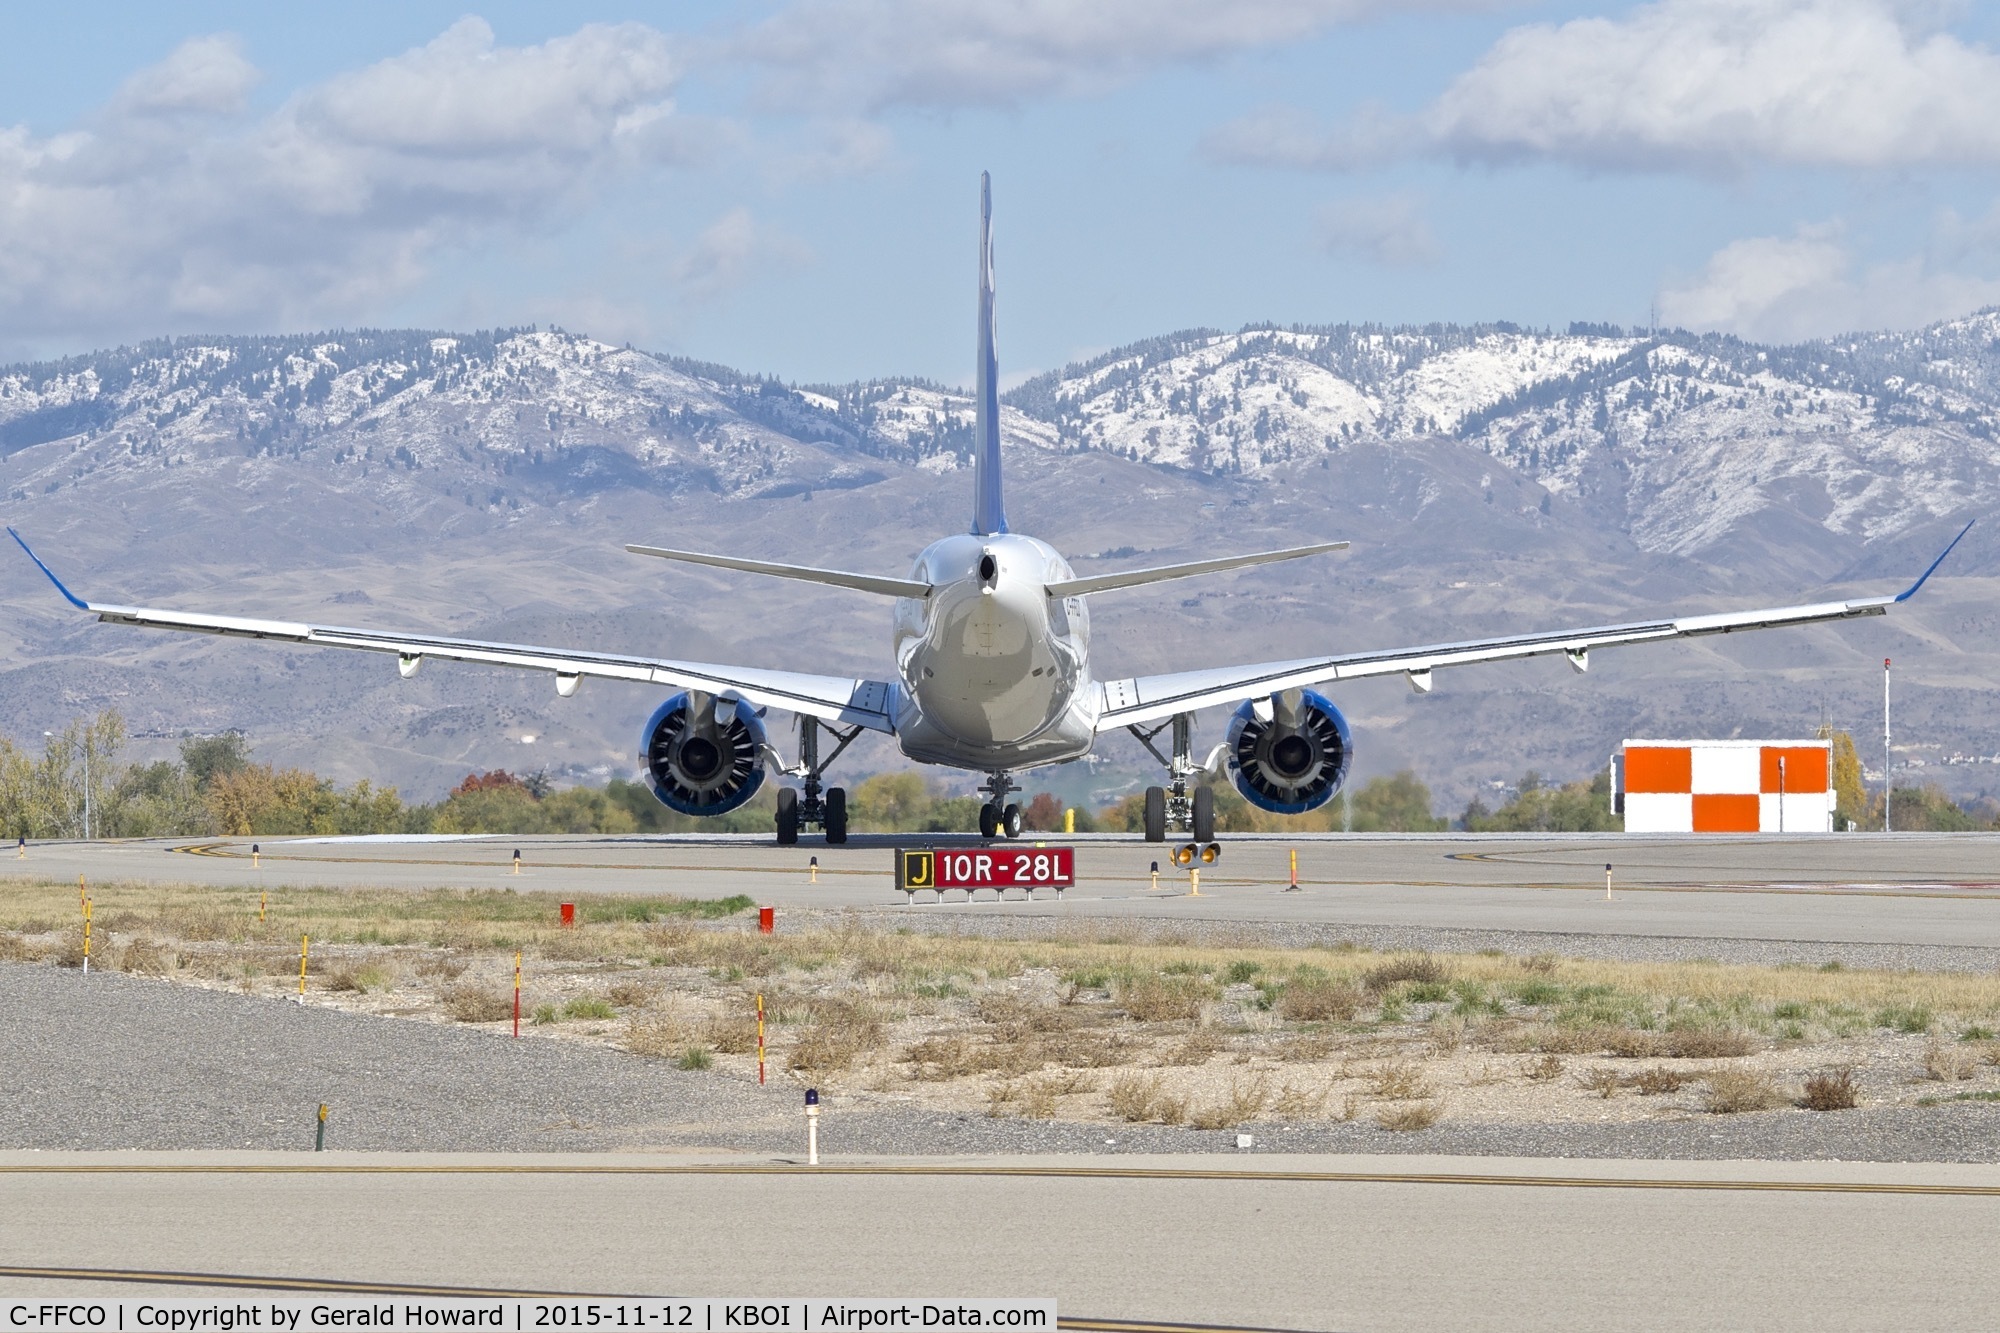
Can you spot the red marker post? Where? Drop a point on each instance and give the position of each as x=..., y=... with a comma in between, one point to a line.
x=767, y=920
x=517, y=992
x=760, y=1041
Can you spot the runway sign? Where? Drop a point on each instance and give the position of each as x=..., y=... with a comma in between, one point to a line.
x=986, y=868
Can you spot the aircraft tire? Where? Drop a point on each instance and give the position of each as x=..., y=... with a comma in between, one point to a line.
x=1010, y=821
x=1156, y=814
x=989, y=821
x=788, y=817
x=836, y=816
x=1204, y=814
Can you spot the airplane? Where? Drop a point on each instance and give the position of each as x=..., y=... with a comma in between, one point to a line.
x=991, y=640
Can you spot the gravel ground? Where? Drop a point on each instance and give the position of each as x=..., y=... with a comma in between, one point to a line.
x=117, y=1062
x=1036, y=923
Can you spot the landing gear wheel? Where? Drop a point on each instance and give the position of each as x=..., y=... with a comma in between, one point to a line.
x=836, y=816
x=788, y=817
x=1010, y=821
x=1204, y=815
x=989, y=821
x=1156, y=814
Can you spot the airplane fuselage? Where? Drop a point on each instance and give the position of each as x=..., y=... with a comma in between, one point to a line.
x=995, y=673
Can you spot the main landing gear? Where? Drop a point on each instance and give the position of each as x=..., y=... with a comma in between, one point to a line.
x=999, y=815
x=816, y=809
x=1181, y=804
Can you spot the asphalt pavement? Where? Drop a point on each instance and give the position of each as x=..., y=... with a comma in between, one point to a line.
x=1939, y=890
x=1290, y=1243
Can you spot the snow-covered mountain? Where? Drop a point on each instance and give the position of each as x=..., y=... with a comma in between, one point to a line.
x=1492, y=478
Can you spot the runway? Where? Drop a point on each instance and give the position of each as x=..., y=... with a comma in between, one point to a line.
x=1902, y=889
x=1272, y=1242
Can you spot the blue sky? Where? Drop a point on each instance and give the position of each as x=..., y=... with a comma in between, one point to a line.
x=791, y=187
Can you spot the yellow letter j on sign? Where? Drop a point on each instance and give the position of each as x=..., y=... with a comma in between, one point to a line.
x=916, y=870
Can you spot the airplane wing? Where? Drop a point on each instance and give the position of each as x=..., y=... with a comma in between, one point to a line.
x=1151, y=698
x=866, y=703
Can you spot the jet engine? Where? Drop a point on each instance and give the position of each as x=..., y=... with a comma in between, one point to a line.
x=703, y=754
x=1290, y=751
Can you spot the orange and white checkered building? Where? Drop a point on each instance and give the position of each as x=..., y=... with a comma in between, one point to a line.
x=1724, y=786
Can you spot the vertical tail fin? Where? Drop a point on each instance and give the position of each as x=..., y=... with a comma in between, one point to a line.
x=989, y=511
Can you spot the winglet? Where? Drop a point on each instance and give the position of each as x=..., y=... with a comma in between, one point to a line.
x=989, y=511
x=1903, y=596
x=74, y=600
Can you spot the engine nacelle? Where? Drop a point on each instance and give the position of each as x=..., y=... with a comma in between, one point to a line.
x=703, y=755
x=1289, y=752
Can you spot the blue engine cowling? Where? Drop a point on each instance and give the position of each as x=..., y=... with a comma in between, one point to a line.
x=1295, y=759
x=703, y=765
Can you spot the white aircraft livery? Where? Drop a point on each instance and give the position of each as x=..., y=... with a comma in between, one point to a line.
x=992, y=671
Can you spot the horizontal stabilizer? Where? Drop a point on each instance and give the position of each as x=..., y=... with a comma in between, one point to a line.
x=832, y=577
x=1133, y=578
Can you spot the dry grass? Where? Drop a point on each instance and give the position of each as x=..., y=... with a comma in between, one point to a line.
x=1418, y=967
x=1949, y=1064
x=1318, y=999
x=1156, y=998
x=1399, y=1081
x=477, y=1004
x=1246, y=1101
x=1732, y=1091
x=1143, y=1097
x=1832, y=1090
x=840, y=1032
x=1409, y=1116
x=144, y=957
x=1137, y=1000
x=1545, y=1070
x=1603, y=1082
x=1658, y=1080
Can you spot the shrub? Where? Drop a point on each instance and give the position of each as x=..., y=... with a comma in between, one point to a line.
x=1316, y=998
x=1949, y=1064
x=476, y=1004
x=1141, y=1097
x=1659, y=1079
x=1160, y=999
x=1418, y=967
x=694, y=1057
x=1832, y=1091
x=1409, y=1116
x=589, y=1006
x=1731, y=1091
x=1909, y=1018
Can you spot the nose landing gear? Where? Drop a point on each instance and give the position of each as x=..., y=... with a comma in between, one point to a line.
x=999, y=815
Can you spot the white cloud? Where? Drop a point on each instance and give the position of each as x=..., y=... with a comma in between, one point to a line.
x=842, y=55
x=1811, y=285
x=1711, y=85
x=1389, y=230
x=173, y=208
x=729, y=252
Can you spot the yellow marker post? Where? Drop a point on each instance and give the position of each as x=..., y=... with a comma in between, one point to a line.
x=319, y=1136
x=813, y=866
x=1194, y=881
x=82, y=893
x=1069, y=819
x=256, y=856
x=517, y=992
x=1607, y=881
x=21, y=849
x=303, y=943
x=1156, y=876
x=263, y=901
x=86, y=935
x=517, y=860
x=1295, y=870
